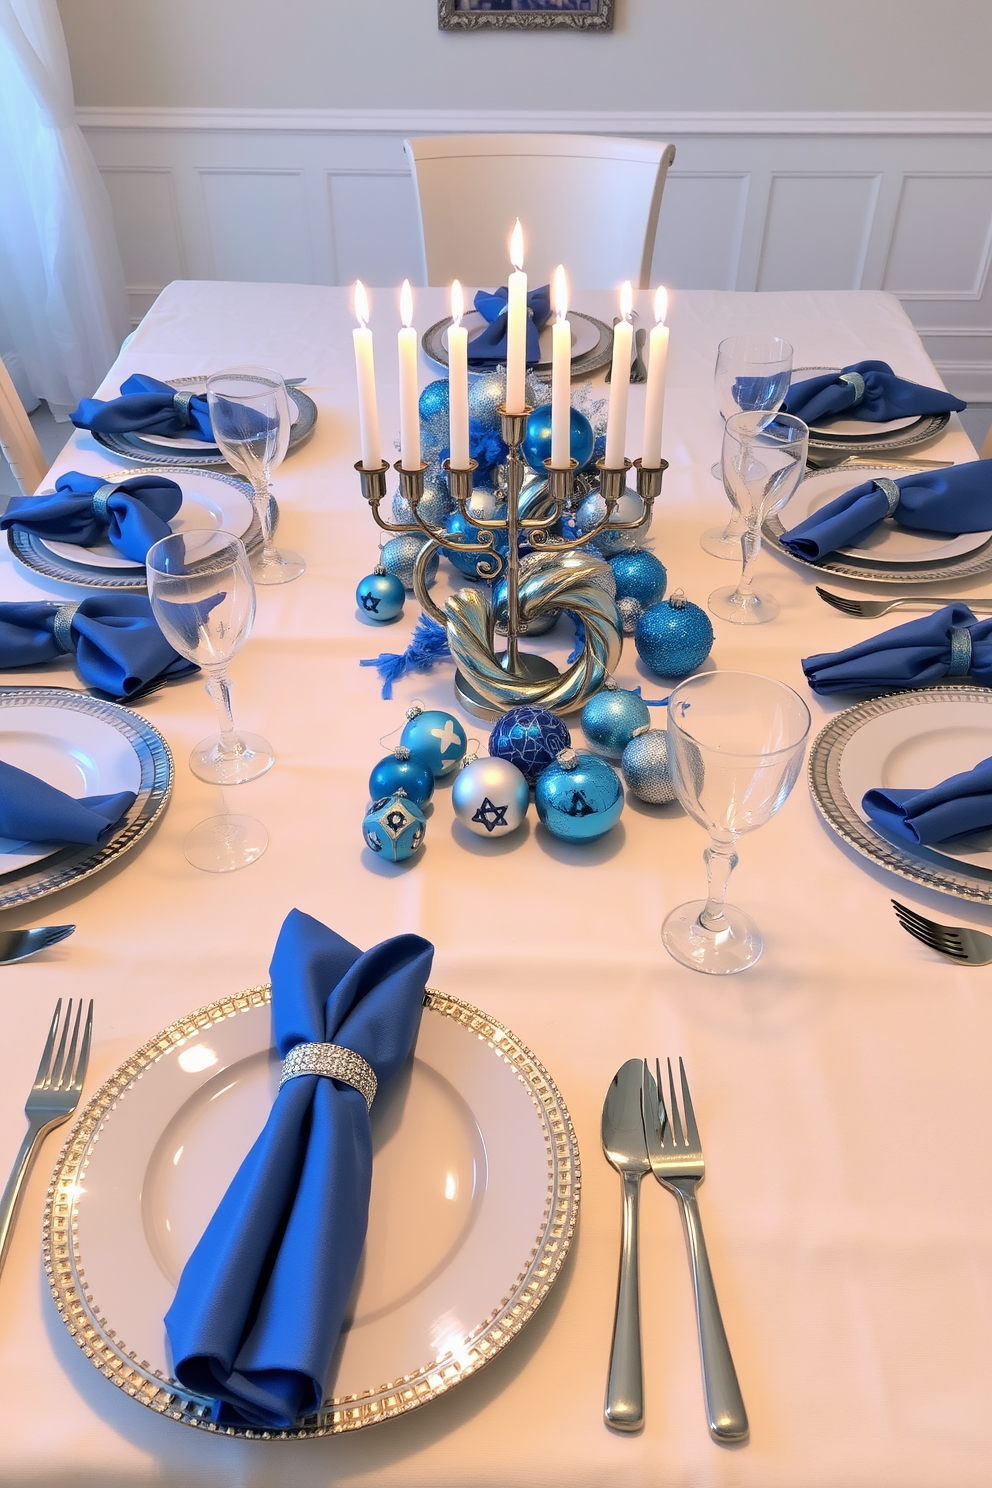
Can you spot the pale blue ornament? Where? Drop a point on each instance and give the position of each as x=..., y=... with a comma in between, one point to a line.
x=579, y=797
x=529, y=738
x=486, y=502
x=433, y=506
x=592, y=511
x=433, y=419
x=399, y=771
x=394, y=827
x=536, y=447
x=400, y=554
x=647, y=768
x=674, y=638
x=434, y=738
x=490, y=797
x=639, y=575
x=610, y=718
x=487, y=390
x=380, y=596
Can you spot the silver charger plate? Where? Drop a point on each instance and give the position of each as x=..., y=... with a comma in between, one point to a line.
x=134, y=447
x=926, y=426
x=68, y=865
x=583, y=365
x=925, y=866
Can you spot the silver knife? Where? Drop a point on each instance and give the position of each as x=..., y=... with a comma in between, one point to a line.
x=626, y=1149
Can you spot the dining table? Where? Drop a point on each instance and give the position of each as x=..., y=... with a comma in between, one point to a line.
x=841, y=1085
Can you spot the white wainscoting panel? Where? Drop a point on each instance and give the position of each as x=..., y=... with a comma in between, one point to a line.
x=817, y=229
x=946, y=221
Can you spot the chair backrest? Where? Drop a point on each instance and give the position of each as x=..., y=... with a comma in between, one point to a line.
x=17, y=438
x=590, y=202
x=986, y=453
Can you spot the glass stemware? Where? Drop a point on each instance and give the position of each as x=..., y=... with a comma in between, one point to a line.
x=736, y=744
x=752, y=372
x=203, y=596
x=764, y=457
x=249, y=412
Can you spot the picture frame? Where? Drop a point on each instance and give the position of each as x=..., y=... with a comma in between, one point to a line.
x=536, y=15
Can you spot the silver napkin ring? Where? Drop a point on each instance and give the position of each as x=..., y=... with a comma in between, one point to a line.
x=856, y=381
x=890, y=491
x=960, y=663
x=101, y=501
x=334, y=1061
x=181, y=402
x=62, y=627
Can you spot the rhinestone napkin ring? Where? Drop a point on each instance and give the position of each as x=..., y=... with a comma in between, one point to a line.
x=334, y=1061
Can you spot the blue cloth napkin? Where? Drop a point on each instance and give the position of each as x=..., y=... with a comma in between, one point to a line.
x=874, y=394
x=489, y=346
x=956, y=807
x=951, y=501
x=262, y=1299
x=133, y=513
x=33, y=811
x=948, y=643
x=147, y=406
x=115, y=639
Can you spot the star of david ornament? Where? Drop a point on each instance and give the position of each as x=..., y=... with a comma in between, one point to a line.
x=394, y=827
x=434, y=738
x=490, y=797
x=380, y=596
x=579, y=797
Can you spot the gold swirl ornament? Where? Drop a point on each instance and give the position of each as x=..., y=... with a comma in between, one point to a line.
x=566, y=580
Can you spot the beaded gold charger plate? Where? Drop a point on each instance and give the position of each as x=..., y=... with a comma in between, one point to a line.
x=475, y=1194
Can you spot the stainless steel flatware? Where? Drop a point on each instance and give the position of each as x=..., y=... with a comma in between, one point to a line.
x=638, y=371
x=149, y=689
x=959, y=942
x=18, y=945
x=823, y=459
x=677, y=1162
x=868, y=609
x=53, y=1098
x=625, y=1148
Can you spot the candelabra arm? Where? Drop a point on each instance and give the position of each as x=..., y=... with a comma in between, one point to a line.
x=420, y=584
x=373, y=478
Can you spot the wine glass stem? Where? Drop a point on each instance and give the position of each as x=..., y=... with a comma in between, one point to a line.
x=750, y=548
x=263, y=507
x=735, y=523
x=721, y=860
x=219, y=689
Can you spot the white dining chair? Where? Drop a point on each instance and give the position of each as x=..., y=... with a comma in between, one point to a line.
x=986, y=453
x=590, y=202
x=17, y=438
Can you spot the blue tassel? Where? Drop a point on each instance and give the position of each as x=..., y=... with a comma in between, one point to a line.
x=428, y=646
x=651, y=702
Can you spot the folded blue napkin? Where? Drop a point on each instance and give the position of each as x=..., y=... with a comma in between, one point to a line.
x=115, y=639
x=147, y=406
x=865, y=390
x=950, y=501
x=948, y=643
x=86, y=509
x=262, y=1299
x=32, y=811
x=956, y=807
x=489, y=346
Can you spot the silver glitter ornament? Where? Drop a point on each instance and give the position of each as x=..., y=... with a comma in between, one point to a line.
x=400, y=554
x=490, y=797
x=630, y=611
x=630, y=508
x=435, y=504
x=646, y=767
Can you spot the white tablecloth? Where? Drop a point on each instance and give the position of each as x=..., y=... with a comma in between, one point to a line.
x=841, y=1086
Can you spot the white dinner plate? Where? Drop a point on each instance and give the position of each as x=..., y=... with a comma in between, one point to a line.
x=852, y=426
x=889, y=543
x=474, y=1200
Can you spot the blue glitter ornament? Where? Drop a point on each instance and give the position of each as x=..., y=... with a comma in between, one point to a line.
x=433, y=506
x=400, y=554
x=647, y=768
x=529, y=738
x=611, y=716
x=490, y=797
x=434, y=738
x=639, y=575
x=394, y=827
x=380, y=595
x=399, y=771
x=674, y=638
x=592, y=511
x=433, y=419
x=579, y=797
x=536, y=447
x=468, y=563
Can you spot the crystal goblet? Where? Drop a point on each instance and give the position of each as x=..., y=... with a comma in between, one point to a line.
x=752, y=372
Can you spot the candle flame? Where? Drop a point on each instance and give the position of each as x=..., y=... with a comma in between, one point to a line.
x=361, y=303
x=457, y=303
x=626, y=300
x=660, y=304
x=517, y=246
x=561, y=292
x=406, y=304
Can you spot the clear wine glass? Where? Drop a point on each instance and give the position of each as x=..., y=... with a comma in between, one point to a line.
x=249, y=412
x=736, y=744
x=752, y=372
x=203, y=597
x=764, y=457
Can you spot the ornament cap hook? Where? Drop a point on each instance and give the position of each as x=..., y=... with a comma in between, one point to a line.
x=645, y=728
x=678, y=600
x=567, y=759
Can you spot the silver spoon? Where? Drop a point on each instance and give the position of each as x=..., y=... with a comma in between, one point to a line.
x=18, y=945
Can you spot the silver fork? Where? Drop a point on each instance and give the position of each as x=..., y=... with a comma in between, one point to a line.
x=53, y=1098
x=18, y=945
x=677, y=1163
x=956, y=941
x=868, y=609
x=638, y=371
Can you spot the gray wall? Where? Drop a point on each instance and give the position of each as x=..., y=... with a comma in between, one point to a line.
x=861, y=55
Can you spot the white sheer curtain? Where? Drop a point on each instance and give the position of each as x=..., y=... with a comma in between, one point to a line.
x=62, y=291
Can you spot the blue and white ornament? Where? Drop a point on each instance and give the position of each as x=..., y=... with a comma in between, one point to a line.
x=434, y=738
x=394, y=827
x=592, y=511
x=639, y=575
x=674, y=638
x=490, y=797
x=380, y=595
x=610, y=718
x=400, y=554
x=433, y=506
x=579, y=797
x=400, y=771
x=529, y=738
x=433, y=419
x=486, y=502
x=646, y=767
x=536, y=447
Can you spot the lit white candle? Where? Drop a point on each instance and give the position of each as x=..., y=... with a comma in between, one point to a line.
x=561, y=376
x=616, y=419
x=409, y=393
x=516, y=326
x=368, y=412
x=458, y=382
x=654, y=408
